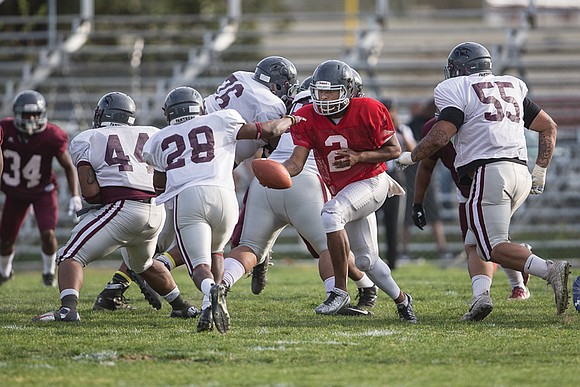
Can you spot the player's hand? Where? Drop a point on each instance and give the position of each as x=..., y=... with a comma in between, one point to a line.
x=419, y=216
x=75, y=204
x=345, y=158
x=404, y=160
x=538, y=180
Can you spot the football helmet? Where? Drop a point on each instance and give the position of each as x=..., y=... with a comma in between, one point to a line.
x=114, y=108
x=182, y=104
x=305, y=85
x=30, y=112
x=328, y=76
x=358, y=84
x=279, y=74
x=467, y=58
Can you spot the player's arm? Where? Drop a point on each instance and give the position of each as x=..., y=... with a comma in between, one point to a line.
x=390, y=150
x=1, y=162
x=70, y=172
x=159, y=182
x=296, y=162
x=267, y=129
x=423, y=178
x=90, y=188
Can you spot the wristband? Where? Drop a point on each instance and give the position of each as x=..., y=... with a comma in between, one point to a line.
x=258, y=130
x=292, y=118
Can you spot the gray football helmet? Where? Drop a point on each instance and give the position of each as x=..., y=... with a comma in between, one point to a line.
x=114, y=108
x=182, y=104
x=467, y=58
x=332, y=75
x=358, y=84
x=30, y=112
x=279, y=74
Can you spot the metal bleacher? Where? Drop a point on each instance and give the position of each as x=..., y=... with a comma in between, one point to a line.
x=399, y=56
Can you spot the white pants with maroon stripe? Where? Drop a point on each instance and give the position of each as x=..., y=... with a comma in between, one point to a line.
x=127, y=224
x=497, y=191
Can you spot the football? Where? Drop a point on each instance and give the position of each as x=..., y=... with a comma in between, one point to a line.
x=271, y=174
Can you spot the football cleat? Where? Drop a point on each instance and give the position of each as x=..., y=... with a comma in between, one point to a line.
x=205, y=322
x=576, y=293
x=63, y=314
x=150, y=295
x=480, y=308
x=406, y=313
x=189, y=311
x=519, y=294
x=558, y=277
x=219, y=309
x=112, y=298
x=367, y=297
x=351, y=310
x=48, y=280
x=6, y=279
x=259, y=278
x=337, y=299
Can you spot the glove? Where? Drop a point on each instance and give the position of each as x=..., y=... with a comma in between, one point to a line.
x=404, y=160
x=538, y=180
x=419, y=216
x=74, y=205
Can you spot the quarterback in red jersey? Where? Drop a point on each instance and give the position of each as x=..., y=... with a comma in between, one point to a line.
x=29, y=146
x=351, y=139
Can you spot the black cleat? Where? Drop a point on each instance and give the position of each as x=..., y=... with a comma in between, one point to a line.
x=259, y=277
x=406, y=313
x=112, y=298
x=6, y=279
x=48, y=280
x=219, y=308
x=150, y=295
x=351, y=310
x=189, y=311
x=367, y=297
x=205, y=322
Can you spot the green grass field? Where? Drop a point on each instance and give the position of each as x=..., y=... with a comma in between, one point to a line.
x=277, y=340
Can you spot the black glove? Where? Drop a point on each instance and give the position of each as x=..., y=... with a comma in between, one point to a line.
x=419, y=216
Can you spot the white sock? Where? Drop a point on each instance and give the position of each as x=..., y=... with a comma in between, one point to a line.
x=172, y=295
x=206, y=285
x=69, y=292
x=515, y=277
x=329, y=284
x=381, y=276
x=48, y=263
x=480, y=284
x=536, y=266
x=6, y=264
x=364, y=282
x=233, y=271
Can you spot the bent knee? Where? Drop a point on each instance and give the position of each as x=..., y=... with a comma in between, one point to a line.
x=364, y=263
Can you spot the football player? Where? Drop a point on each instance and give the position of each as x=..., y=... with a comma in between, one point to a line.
x=351, y=139
x=486, y=115
x=117, y=182
x=28, y=180
x=192, y=158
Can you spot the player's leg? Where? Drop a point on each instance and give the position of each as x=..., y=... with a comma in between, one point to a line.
x=46, y=213
x=13, y=215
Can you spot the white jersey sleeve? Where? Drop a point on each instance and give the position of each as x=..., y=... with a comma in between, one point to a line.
x=493, y=107
x=199, y=151
x=115, y=153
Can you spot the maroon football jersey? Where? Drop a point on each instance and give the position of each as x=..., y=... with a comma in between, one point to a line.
x=28, y=160
x=366, y=125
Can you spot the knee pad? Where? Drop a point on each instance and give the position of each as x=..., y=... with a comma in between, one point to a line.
x=364, y=263
x=332, y=219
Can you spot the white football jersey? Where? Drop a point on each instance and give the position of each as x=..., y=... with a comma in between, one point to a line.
x=493, y=126
x=286, y=145
x=253, y=100
x=115, y=153
x=199, y=151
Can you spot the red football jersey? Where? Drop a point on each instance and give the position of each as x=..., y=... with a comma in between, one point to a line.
x=366, y=125
x=28, y=163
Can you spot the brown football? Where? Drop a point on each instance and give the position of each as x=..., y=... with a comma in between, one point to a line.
x=271, y=174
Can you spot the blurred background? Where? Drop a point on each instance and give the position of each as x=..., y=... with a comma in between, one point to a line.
x=74, y=51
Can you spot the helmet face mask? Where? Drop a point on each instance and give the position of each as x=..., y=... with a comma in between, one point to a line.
x=30, y=112
x=182, y=104
x=332, y=75
x=466, y=59
x=114, y=108
x=279, y=74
